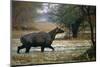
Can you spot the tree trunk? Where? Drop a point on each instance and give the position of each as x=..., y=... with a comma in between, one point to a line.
x=92, y=51
x=75, y=28
x=92, y=31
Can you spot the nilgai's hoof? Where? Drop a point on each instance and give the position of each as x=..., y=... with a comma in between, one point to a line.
x=26, y=52
x=18, y=53
x=53, y=50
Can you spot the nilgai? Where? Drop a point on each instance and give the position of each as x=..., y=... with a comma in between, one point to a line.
x=40, y=39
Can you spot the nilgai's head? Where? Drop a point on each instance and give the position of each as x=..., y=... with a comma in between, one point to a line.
x=58, y=30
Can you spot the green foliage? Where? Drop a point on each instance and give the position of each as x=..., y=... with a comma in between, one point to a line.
x=65, y=14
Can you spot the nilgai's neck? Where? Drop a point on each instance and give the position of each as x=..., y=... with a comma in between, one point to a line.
x=53, y=34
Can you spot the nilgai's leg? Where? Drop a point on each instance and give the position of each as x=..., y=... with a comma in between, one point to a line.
x=20, y=47
x=51, y=47
x=42, y=48
x=27, y=49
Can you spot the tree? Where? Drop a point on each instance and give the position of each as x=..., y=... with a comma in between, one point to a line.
x=68, y=15
x=88, y=12
x=24, y=13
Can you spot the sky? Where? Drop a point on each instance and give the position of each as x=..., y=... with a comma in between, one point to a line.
x=44, y=16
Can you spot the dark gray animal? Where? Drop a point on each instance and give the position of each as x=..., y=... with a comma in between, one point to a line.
x=42, y=39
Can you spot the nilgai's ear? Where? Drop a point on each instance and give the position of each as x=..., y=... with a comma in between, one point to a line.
x=57, y=27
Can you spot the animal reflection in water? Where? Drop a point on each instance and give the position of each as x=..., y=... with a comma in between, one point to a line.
x=42, y=39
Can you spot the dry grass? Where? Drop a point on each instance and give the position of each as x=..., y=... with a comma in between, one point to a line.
x=21, y=59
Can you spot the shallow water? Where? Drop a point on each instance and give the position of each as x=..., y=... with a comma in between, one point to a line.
x=65, y=51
